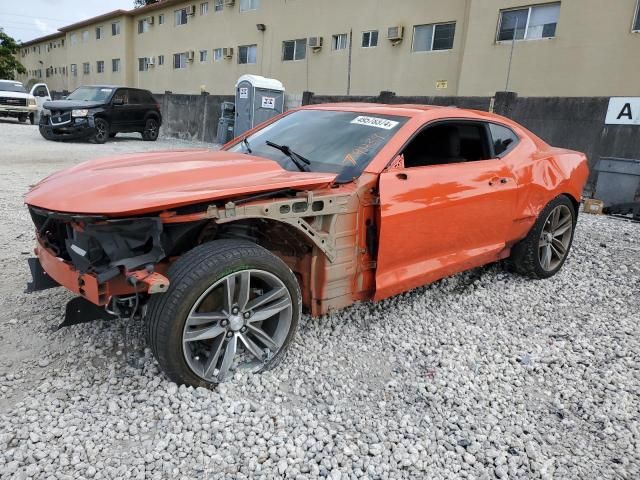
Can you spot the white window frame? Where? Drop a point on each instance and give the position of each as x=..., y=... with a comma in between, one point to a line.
x=86, y=68
x=370, y=32
x=295, y=49
x=99, y=32
x=144, y=23
x=85, y=36
x=144, y=63
x=161, y=19
x=73, y=39
x=117, y=28
x=252, y=5
x=100, y=66
x=204, y=8
x=185, y=15
x=636, y=19
x=433, y=37
x=74, y=69
x=182, y=65
x=217, y=54
x=253, y=45
x=201, y=54
x=335, y=41
x=160, y=59
x=218, y=6
x=526, y=28
x=115, y=62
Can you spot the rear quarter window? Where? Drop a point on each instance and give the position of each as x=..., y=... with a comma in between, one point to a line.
x=504, y=139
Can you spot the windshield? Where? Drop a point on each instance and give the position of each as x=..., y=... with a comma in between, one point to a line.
x=11, y=87
x=331, y=141
x=90, y=94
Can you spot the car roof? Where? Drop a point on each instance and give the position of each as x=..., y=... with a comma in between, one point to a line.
x=114, y=86
x=378, y=108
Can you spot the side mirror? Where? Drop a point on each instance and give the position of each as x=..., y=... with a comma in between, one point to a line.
x=117, y=101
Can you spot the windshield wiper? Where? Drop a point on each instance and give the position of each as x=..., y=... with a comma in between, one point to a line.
x=296, y=158
x=245, y=142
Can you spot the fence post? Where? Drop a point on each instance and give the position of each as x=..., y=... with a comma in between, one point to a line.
x=503, y=103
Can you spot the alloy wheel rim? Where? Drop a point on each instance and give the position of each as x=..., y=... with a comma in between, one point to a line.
x=555, y=238
x=239, y=322
x=100, y=130
x=151, y=129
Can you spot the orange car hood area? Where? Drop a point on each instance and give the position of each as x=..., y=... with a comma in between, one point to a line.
x=147, y=182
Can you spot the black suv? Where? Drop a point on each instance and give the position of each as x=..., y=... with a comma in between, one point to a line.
x=98, y=112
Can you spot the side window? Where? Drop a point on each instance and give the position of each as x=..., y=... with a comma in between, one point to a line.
x=40, y=92
x=445, y=143
x=135, y=97
x=503, y=139
x=123, y=95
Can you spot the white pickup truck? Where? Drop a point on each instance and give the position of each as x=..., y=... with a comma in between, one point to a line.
x=16, y=102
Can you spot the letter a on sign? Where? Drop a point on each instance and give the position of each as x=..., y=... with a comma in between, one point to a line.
x=623, y=111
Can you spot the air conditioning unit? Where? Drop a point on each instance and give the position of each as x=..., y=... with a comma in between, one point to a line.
x=191, y=10
x=230, y=3
x=315, y=43
x=151, y=61
x=227, y=52
x=191, y=55
x=395, y=34
x=150, y=20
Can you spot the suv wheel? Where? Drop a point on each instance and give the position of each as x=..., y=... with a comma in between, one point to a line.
x=22, y=118
x=231, y=306
x=151, y=130
x=102, y=131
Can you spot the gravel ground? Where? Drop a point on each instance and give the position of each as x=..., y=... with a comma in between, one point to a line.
x=483, y=375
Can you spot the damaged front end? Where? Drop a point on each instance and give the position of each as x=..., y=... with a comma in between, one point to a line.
x=112, y=264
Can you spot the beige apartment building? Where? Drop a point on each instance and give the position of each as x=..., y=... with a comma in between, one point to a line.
x=357, y=47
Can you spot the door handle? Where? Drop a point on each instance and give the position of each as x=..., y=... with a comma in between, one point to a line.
x=401, y=176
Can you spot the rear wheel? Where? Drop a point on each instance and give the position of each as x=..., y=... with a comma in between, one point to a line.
x=545, y=249
x=151, y=130
x=102, y=131
x=231, y=306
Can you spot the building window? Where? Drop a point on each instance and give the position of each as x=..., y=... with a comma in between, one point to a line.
x=218, y=5
x=143, y=64
x=143, y=26
x=217, y=54
x=203, y=56
x=115, y=29
x=181, y=16
x=247, y=54
x=294, y=49
x=85, y=68
x=370, y=39
x=85, y=36
x=115, y=65
x=179, y=60
x=204, y=8
x=161, y=19
x=62, y=42
x=74, y=69
x=100, y=66
x=73, y=38
x=339, y=42
x=160, y=59
x=636, y=23
x=427, y=38
x=529, y=23
x=98, y=33
x=246, y=5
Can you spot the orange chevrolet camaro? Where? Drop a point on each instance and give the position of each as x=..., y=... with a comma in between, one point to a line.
x=323, y=206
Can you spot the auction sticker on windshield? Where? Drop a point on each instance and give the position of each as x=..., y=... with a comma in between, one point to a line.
x=375, y=122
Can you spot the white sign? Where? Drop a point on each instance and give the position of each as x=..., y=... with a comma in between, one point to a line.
x=375, y=122
x=244, y=92
x=623, y=111
x=269, y=102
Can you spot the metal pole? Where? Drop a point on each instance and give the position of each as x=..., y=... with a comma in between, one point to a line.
x=349, y=62
x=513, y=45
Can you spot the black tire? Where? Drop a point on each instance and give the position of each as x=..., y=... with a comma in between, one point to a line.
x=192, y=275
x=151, y=130
x=525, y=256
x=45, y=132
x=23, y=118
x=32, y=118
x=101, y=134
x=113, y=134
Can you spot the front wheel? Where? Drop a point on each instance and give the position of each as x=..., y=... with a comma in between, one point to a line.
x=545, y=249
x=231, y=306
x=102, y=131
x=22, y=118
x=151, y=130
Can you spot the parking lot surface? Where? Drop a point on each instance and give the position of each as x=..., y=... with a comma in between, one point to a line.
x=483, y=375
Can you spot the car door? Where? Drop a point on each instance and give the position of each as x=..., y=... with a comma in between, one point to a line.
x=138, y=108
x=440, y=216
x=41, y=93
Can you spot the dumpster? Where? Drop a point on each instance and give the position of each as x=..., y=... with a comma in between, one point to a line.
x=618, y=180
x=226, y=122
x=257, y=99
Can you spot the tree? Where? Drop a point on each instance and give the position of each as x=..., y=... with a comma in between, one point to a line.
x=9, y=64
x=143, y=3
